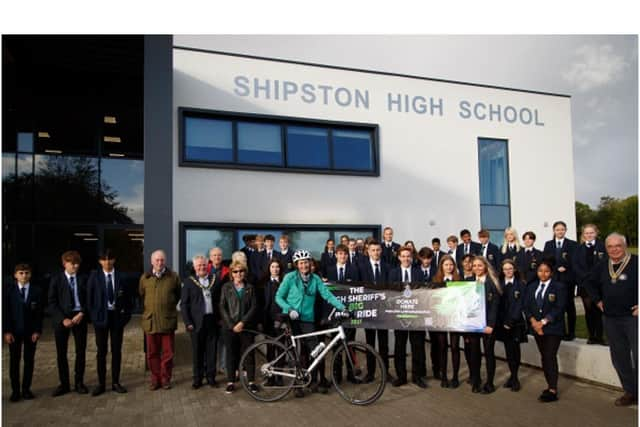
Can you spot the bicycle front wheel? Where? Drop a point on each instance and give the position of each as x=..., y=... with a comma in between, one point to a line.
x=359, y=376
x=264, y=367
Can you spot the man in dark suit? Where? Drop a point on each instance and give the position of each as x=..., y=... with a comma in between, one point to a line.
x=353, y=256
x=437, y=253
x=22, y=306
x=562, y=250
x=529, y=258
x=408, y=273
x=199, y=308
x=389, y=248
x=466, y=247
x=109, y=302
x=68, y=306
x=488, y=250
x=374, y=272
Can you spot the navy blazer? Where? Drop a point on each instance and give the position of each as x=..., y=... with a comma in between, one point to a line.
x=437, y=256
x=527, y=263
x=61, y=300
x=510, y=254
x=22, y=318
x=432, y=272
x=491, y=301
x=97, y=299
x=494, y=256
x=367, y=272
x=553, y=306
x=326, y=260
x=511, y=303
x=272, y=311
x=286, y=260
x=566, y=260
x=258, y=263
x=395, y=275
x=192, y=303
x=351, y=273
x=580, y=260
x=390, y=255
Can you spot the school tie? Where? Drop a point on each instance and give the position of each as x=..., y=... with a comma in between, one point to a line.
x=484, y=248
x=72, y=285
x=376, y=273
x=23, y=292
x=406, y=275
x=341, y=275
x=540, y=295
x=110, y=291
x=450, y=252
x=426, y=275
x=269, y=255
x=466, y=249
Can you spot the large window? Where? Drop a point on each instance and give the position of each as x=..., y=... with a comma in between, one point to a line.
x=198, y=238
x=495, y=207
x=226, y=140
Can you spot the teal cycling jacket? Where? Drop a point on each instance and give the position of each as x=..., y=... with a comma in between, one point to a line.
x=292, y=295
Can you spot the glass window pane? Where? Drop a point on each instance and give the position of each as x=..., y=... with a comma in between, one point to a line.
x=8, y=165
x=354, y=234
x=496, y=237
x=18, y=189
x=25, y=142
x=52, y=240
x=494, y=172
x=313, y=241
x=259, y=144
x=128, y=247
x=352, y=150
x=274, y=233
x=67, y=188
x=122, y=184
x=494, y=217
x=207, y=139
x=199, y=241
x=307, y=147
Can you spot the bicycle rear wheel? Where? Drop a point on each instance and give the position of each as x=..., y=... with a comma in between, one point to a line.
x=350, y=375
x=267, y=359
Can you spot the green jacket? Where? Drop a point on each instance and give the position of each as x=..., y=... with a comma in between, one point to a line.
x=292, y=295
x=160, y=298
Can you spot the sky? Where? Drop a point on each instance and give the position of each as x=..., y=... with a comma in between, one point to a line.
x=599, y=72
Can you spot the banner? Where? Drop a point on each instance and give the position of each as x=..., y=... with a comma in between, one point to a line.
x=459, y=307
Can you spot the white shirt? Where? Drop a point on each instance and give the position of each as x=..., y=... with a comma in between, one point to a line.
x=208, y=305
x=448, y=278
x=544, y=291
x=561, y=242
x=408, y=272
x=76, y=299
x=388, y=244
x=484, y=250
x=26, y=288
x=481, y=279
x=111, y=273
x=343, y=267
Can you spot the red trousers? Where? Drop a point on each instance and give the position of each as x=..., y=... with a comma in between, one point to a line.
x=160, y=366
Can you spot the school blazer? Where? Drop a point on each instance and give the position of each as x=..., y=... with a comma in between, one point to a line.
x=395, y=275
x=510, y=312
x=97, y=299
x=192, y=302
x=351, y=273
x=527, y=263
x=492, y=302
x=553, y=306
x=60, y=299
x=432, y=272
x=580, y=260
x=390, y=255
x=326, y=260
x=18, y=317
x=367, y=272
x=566, y=260
x=494, y=256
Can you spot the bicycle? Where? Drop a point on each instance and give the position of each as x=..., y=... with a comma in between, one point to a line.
x=275, y=378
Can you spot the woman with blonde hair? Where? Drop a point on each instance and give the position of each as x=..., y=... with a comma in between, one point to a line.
x=510, y=244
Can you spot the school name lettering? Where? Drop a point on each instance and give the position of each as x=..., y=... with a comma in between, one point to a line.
x=393, y=102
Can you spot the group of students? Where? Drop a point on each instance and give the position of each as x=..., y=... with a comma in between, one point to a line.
x=526, y=291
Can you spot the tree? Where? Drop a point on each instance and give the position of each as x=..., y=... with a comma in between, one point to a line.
x=612, y=214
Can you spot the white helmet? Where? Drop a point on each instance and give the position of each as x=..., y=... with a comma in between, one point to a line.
x=301, y=254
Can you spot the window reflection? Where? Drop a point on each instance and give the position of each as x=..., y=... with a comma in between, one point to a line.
x=8, y=165
x=208, y=139
x=259, y=144
x=307, y=147
x=122, y=185
x=313, y=241
x=25, y=142
x=200, y=241
x=352, y=150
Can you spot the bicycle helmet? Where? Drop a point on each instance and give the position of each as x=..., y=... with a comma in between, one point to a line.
x=301, y=254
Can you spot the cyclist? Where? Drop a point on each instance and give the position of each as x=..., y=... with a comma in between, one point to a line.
x=297, y=296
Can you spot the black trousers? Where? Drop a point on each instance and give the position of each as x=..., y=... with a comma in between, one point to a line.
x=548, y=347
x=62, y=344
x=15, y=353
x=418, y=361
x=116, y=332
x=454, y=341
x=204, y=349
x=236, y=344
x=435, y=352
x=351, y=336
x=513, y=353
x=472, y=340
x=488, y=346
x=592, y=315
x=622, y=333
x=571, y=310
x=383, y=348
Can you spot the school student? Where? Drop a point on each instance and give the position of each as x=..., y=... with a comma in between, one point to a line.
x=528, y=258
x=414, y=252
x=68, y=309
x=428, y=267
x=510, y=244
x=407, y=273
x=286, y=254
x=562, y=250
x=328, y=257
x=467, y=246
x=437, y=253
x=511, y=326
x=447, y=272
x=389, y=248
x=22, y=310
x=488, y=250
x=544, y=309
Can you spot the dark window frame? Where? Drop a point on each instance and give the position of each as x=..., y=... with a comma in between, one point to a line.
x=334, y=231
x=283, y=122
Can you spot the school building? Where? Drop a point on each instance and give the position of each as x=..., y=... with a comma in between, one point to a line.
x=144, y=142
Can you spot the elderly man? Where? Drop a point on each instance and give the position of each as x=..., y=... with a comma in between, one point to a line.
x=613, y=286
x=215, y=265
x=160, y=292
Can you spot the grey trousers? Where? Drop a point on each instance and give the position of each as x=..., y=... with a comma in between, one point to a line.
x=622, y=335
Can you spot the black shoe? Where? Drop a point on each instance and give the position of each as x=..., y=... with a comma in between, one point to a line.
x=118, y=388
x=420, y=382
x=15, y=397
x=454, y=383
x=323, y=386
x=212, y=383
x=351, y=379
x=313, y=387
x=444, y=383
x=592, y=341
x=27, y=395
x=196, y=384
x=509, y=383
x=436, y=374
x=230, y=388
x=488, y=388
x=299, y=393
x=568, y=337
x=338, y=376
x=167, y=385
x=398, y=382
x=60, y=390
x=81, y=388
x=369, y=379
x=390, y=377
x=253, y=388
x=475, y=388
x=515, y=385
x=98, y=390
x=548, y=396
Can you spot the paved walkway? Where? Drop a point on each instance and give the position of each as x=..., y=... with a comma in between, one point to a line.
x=580, y=404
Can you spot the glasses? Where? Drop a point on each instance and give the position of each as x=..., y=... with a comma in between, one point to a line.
x=237, y=271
